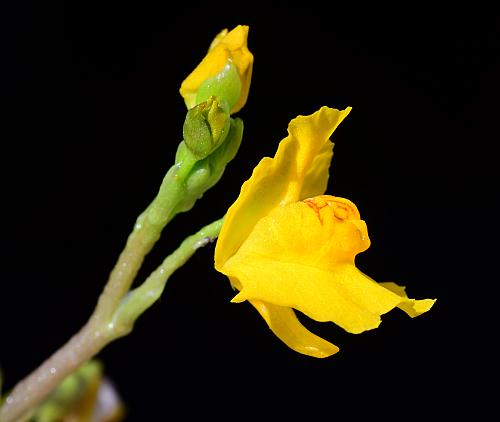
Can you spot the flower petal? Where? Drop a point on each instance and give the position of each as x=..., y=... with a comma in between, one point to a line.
x=284, y=179
x=218, y=38
x=411, y=306
x=284, y=324
x=302, y=256
x=316, y=178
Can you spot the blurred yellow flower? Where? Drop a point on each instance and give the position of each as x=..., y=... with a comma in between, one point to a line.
x=284, y=245
x=226, y=48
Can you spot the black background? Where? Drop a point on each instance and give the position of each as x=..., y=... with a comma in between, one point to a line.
x=92, y=122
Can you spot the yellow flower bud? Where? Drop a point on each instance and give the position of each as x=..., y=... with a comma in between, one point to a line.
x=227, y=48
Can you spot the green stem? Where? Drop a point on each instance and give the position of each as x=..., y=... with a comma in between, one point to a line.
x=146, y=232
x=98, y=333
x=141, y=298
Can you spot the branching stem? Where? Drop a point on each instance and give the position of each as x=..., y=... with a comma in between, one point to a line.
x=111, y=319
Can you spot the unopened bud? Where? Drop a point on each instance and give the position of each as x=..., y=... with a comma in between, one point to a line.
x=205, y=128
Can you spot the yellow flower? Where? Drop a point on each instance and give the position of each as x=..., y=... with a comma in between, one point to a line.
x=284, y=245
x=227, y=47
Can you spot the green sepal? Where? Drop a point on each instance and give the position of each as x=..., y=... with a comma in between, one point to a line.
x=226, y=85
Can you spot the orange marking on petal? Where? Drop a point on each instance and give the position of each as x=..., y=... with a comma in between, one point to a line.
x=343, y=209
x=311, y=203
